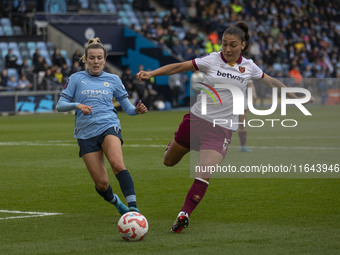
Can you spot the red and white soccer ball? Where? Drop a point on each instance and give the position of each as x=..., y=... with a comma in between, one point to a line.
x=133, y=226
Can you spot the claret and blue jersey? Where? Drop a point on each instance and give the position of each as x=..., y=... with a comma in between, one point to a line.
x=217, y=70
x=98, y=92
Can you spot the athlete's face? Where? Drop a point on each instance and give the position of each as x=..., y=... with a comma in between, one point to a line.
x=232, y=47
x=95, y=61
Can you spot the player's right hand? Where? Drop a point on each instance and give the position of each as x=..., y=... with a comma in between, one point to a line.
x=85, y=109
x=143, y=75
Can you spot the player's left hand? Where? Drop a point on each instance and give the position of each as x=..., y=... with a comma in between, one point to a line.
x=311, y=100
x=141, y=108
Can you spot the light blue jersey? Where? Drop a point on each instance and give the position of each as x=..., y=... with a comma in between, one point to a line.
x=98, y=92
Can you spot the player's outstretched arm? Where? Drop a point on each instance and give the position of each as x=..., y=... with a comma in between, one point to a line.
x=166, y=70
x=272, y=82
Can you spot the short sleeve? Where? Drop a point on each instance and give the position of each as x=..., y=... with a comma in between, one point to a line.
x=202, y=64
x=256, y=72
x=69, y=88
x=120, y=92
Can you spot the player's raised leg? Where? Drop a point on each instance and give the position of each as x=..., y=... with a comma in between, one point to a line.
x=95, y=164
x=113, y=151
x=174, y=152
x=197, y=190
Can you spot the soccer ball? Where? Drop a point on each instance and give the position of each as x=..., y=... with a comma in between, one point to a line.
x=133, y=226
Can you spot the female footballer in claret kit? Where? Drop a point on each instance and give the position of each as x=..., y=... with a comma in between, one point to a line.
x=228, y=66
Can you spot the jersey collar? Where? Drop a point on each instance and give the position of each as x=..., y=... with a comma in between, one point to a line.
x=239, y=60
x=87, y=71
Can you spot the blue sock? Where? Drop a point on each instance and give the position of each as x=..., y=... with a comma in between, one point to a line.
x=127, y=187
x=108, y=195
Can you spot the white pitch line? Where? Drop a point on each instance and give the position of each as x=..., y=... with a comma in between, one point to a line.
x=292, y=147
x=37, y=143
x=293, y=137
x=31, y=214
x=251, y=147
x=34, y=144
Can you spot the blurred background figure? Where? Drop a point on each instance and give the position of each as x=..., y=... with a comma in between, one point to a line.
x=176, y=82
x=12, y=83
x=24, y=84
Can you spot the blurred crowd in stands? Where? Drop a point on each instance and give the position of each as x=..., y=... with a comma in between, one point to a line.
x=294, y=38
x=20, y=77
x=289, y=38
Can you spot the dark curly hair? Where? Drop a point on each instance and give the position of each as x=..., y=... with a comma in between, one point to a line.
x=240, y=29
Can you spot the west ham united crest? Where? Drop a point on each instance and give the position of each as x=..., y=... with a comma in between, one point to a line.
x=241, y=69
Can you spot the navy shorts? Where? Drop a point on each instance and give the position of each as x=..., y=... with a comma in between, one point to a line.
x=94, y=144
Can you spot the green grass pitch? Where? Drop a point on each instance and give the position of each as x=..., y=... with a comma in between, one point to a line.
x=41, y=172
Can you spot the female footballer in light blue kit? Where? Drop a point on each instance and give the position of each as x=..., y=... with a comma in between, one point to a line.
x=97, y=127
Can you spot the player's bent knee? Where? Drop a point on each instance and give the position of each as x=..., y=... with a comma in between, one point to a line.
x=102, y=185
x=168, y=162
x=116, y=168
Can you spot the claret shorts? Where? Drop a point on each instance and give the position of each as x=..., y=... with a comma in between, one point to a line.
x=198, y=134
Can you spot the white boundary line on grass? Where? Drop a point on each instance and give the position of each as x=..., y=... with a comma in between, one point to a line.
x=56, y=143
x=31, y=214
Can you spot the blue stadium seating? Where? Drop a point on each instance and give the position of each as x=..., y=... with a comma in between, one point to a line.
x=8, y=31
x=6, y=21
x=13, y=45
x=64, y=53
x=13, y=72
x=3, y=46
x=41, y=45
x=17, y=30
x=31, y=45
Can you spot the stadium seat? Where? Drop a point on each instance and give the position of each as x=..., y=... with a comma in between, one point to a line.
x=13, y=72
x=64, y=53
x=3, y=46
x=131, y=14
x=17, y=30
x=122, y=14
x=13, y=45
x=2, y=33
x=22, y=45
x=17, y=53
x=31, y=46
x=25, y=54
x=6, y=21
x=31, y=53
x=139, y=15
x=29, y=62
x=84, y=4
x=102, y=8
x=4, y=53
x=8, y=31
x=111, y=8
x=46, y=55
x=127, y=7
x=50, y=46
x=162, y=14
x=126, y=21
x=44, y=52
x=48, y=60
x=41, y=45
